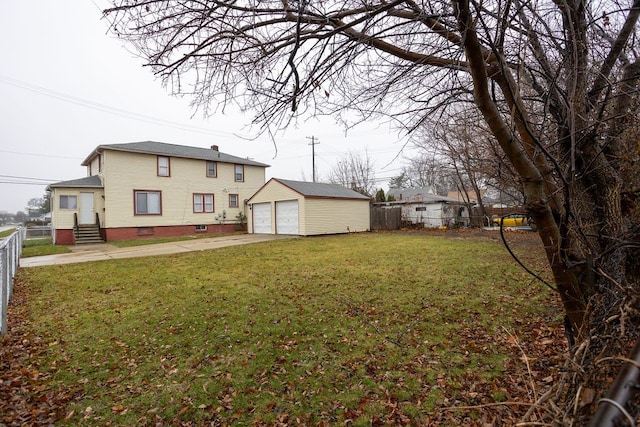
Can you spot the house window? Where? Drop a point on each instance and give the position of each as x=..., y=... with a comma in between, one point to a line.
x=212, y=169
x=147, y=202
x=201, y=228
x=202, y=203
x=163, y=166
x=239, y=173
x=233, y=200
x=68, y=202
x=421, y=209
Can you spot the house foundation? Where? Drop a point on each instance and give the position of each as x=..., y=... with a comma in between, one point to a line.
x=131, y=233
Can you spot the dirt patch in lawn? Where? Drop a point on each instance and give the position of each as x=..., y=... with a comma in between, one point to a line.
x=525, y=245
x=515, y=236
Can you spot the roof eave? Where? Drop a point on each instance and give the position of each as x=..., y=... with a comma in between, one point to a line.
x=364, y=199
x=235, y=160
x=94, y=153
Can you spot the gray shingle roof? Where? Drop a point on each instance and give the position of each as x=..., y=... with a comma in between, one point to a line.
x=173, y=150
x=315, y=189
x=93, y=181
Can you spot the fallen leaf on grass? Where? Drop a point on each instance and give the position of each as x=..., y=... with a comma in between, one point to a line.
x=117, y=408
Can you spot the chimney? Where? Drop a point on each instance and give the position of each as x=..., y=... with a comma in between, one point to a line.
x=214, y=147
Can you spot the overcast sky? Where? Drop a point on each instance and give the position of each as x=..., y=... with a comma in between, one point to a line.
x=67, y=86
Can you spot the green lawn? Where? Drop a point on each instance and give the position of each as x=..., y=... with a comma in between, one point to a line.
x=41, y=247
x=153, y=241
x=333, y=330
x=37, y=247
x=7, y=233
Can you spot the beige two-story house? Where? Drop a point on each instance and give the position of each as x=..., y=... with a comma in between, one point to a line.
x=153, y=189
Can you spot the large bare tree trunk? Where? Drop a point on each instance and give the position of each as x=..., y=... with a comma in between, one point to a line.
x=572, y=294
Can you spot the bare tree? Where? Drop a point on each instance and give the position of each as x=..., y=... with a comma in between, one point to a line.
x=556, y=83
x=399, y=181
x=356, y=172
x=477, y=162
x=428, y=169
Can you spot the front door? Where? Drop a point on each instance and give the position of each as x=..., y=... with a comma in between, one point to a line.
x=86, y=208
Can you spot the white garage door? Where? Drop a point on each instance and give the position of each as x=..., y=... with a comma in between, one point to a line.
x=261, y=218
x=287, y=217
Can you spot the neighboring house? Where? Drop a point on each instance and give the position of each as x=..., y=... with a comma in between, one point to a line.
x=153, y=189
x=470, y=195
x=410, y=194
x=419, y=207
x=306, y=208
x=503, y=200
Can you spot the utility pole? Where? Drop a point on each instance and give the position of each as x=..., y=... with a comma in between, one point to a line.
x=313, y=144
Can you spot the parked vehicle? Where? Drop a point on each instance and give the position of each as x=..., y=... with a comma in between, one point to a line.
x=514, y=220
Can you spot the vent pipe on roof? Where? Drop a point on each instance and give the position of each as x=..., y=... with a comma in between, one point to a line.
x=214, y=147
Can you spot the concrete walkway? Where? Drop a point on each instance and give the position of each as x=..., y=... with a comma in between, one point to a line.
x=105, y=251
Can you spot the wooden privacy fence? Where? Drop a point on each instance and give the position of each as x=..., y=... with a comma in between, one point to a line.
x=386, y=218
x=10, y=250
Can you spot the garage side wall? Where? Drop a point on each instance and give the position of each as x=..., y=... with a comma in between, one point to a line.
x=333, y=216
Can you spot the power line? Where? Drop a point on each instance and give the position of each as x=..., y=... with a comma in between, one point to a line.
x=23, y=183
x=25, y=180
x=108, y=109
x=27, y=177
x=40, y=155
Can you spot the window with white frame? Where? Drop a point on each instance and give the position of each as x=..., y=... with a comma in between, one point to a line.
x=233, y=200
x=212, y=169
x=147, y=202
x=163, y=166
x=68, y=202
x=202, y=203
x=239, y=173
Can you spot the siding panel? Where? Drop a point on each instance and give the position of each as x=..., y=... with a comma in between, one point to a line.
x=64, y=218
x=125, y=172
x=330, y=216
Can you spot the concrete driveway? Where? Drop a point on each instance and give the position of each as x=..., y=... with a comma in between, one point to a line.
x=105, y=251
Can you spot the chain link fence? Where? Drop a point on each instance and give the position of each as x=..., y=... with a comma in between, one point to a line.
x=10, y=250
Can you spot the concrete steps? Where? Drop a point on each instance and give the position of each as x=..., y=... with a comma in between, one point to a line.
x=86, y=234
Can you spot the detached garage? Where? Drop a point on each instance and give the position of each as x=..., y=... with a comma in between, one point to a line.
x=307, y=208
